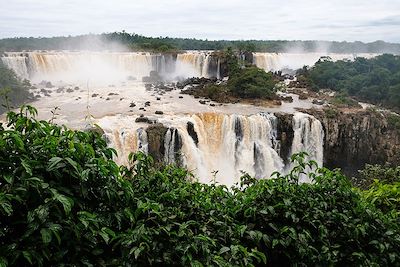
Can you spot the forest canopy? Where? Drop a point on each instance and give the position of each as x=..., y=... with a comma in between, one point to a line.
x=124, y=40
x=375, y=80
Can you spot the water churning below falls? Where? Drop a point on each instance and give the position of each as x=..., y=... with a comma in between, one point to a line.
x=221, y=147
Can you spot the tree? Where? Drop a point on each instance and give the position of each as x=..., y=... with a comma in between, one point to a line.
x=252, y=82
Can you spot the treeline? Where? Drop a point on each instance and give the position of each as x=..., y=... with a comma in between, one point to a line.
x=164, y=44
x=375, y=80
x=65, y=202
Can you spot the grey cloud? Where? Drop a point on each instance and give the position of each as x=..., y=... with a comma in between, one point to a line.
x=224, y=19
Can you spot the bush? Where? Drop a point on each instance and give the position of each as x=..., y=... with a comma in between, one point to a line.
x=394, y=121
x=385, y=174
x=63, y=201
x=13, y=91
x=252, y=82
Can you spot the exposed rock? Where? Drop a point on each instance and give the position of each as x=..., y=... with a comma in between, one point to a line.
x=192, y=132
x=49, y=85
x=285, y=134
x=110, y=94
x=154, y=77
x=286, y=99
x=318, y=102
x=156, y=136
x=353, y=139
x=70, y=90
x=159, y=112
x=144, y=119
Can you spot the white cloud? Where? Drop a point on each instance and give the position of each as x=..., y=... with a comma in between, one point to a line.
x=223, y=19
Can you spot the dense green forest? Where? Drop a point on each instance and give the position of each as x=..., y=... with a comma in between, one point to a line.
x=375, y=80
x=64, y=201
x=13, y=91
x=139, y=42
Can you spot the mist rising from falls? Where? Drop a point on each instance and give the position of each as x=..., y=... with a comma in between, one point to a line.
x=225, y=146
x=294, y=61
x=106, y=66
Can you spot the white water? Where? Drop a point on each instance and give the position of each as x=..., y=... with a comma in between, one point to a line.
x=232, y=138
x=228, y=145
x=105, y=67
x=293, y=61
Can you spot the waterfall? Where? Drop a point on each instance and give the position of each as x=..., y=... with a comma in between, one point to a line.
x=308, y=137
x=126, y=141
x=293, y=61
x=224, y=146
x=108, y=66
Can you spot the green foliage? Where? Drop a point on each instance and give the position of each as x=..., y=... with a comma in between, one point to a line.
x=343, y=100
x=63, y=201
x=252, y=82
x=368, y=175
x=13, y=91
x=394, y=121
x=376, y=80
x=385, y=196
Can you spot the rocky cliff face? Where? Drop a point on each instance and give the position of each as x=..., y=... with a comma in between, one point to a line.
x=353, y=139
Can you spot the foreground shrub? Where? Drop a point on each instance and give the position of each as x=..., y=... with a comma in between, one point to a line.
x=63, y=201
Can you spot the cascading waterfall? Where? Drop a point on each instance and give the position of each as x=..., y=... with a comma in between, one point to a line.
x=293, y=61
x=126, y=141
x=222, y=147
x=308, y=137
x=113, y=66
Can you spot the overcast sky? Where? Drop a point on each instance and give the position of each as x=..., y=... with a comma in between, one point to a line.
x=364, y=20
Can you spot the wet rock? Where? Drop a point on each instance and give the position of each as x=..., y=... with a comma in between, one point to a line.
x=60, y=90
x=94, y=95
x=156, y=137
x=318, y=102
x=49, y=85
x=76, y=88
x=70, y=90
x=192, y=132
x=203, y=102
x=132, y=105
x=153, y=78
x=353, y=139
x=159, y=112
x=121, y=99
x=143, y=119
x=110, y=94
x=158, y=98
x=147, y=104
x=286, y=99
x=212, y=105
x=108, y=98
x=180, y=96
